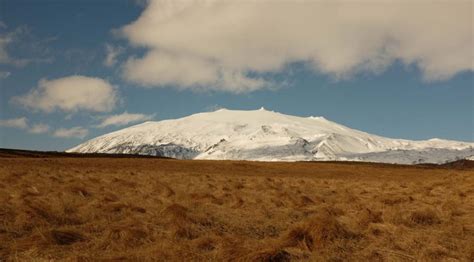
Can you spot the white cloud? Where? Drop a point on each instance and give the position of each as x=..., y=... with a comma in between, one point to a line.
x=74, y=132
x=111, y=54
x=4, y=74
x=20, y=123
x=124, y=119
x=162, y=69
x=70, y=94
x=223, y=44
x=39, y=129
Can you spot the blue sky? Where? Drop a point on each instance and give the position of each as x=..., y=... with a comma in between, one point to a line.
x=194, y=62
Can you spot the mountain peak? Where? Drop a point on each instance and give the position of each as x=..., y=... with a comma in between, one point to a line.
x=261, y=109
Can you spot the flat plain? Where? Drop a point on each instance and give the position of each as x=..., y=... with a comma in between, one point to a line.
x=58, y=207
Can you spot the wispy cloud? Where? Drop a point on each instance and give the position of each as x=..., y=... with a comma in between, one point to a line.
x=74, y=132
x=20, y=123
x=111, y=54
x=4, y=74
x=212, y=108
x=39, y=129
x=81, y=58
x=32, y=48
x=5, y=40
x=124, y=119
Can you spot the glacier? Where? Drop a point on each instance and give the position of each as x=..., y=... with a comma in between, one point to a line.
x=263, y=135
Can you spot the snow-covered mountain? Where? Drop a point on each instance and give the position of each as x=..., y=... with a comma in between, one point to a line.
x=269, y=136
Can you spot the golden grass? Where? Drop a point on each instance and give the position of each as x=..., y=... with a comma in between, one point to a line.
x=87, y=209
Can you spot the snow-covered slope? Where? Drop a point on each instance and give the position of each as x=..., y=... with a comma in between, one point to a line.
x=269, y=136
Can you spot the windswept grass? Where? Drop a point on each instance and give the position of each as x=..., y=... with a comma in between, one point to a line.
x=87, y=209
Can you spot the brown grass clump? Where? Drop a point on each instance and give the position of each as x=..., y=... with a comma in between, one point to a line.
x=176, y=212
x=207, y=243
x=318, y=232
x=56, y=208
x=66, y=237
x=270, y=255
x=126, y=236
x=369, y=216
x=426, y=217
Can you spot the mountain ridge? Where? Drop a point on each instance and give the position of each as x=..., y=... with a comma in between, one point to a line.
x=269, y=136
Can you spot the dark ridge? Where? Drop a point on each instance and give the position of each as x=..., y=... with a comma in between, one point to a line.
x=14, y=153
x=361, y=163
x=457, y=164
x=460, y=164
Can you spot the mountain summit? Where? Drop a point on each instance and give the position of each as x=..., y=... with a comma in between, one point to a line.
x=269, y=136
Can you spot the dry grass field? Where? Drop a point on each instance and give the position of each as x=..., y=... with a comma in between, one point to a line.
x=149, y=209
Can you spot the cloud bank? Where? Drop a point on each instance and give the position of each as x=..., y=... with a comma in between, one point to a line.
x=123, y=119
x=224, y=44
x=71, y=94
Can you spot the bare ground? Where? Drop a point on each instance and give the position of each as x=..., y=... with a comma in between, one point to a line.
x=147, y=209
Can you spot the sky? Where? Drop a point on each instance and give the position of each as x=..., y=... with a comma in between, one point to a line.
x=73, y=70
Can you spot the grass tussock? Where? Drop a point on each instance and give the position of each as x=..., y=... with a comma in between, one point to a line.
x=80, y=209
x=317, y=233
x=66, y=237
x=425, y=217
